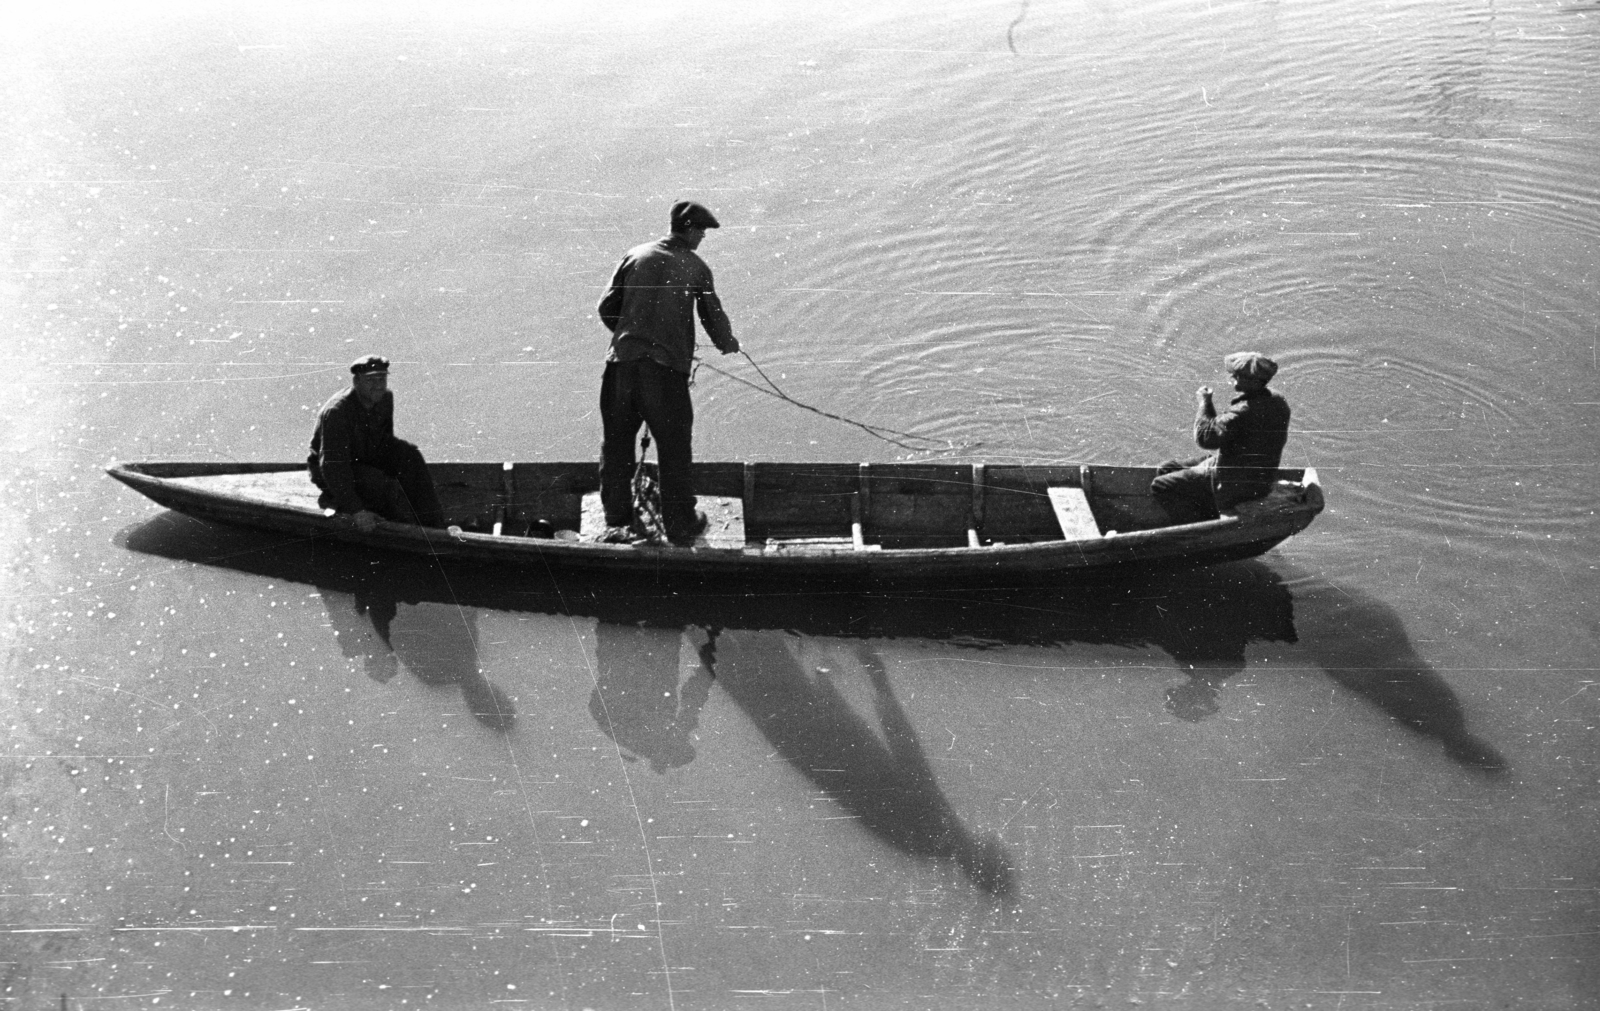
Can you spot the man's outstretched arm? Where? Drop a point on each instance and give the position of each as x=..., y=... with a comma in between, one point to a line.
x=718, y=327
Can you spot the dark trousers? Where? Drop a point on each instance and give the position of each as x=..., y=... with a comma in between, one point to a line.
x=1198, y=490
x=399, y=488
x=638, y=393
x=1184, y=491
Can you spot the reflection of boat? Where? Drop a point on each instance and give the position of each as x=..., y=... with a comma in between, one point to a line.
x=932, y=524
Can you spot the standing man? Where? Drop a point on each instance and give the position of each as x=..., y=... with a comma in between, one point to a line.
x=1248, y=439
x=362, y=469
x=649, y=308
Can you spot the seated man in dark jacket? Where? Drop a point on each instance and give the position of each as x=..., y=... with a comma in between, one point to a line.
x=1248, y=439
x=362, y=469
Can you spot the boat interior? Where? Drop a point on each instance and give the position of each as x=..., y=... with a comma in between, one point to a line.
x=782, y=506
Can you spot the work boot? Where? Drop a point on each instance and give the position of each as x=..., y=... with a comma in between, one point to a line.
x=686, y=538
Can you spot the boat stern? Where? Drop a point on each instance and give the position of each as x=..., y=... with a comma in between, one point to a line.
x=1286, y=510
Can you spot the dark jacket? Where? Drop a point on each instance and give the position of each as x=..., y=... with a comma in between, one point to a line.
x=1248, y=438
x=650, y=305
x=348, y=433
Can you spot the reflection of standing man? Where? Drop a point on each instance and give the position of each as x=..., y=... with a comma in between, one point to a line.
x=637, y=700
x=362, y=469
x=649, y=308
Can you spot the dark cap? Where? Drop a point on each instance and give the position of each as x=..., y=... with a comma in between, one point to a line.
x=688, y=214
x=1252, y=364
x=369, y=363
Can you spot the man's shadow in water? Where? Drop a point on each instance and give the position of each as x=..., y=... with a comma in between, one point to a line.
x=879, y=774
x=875, y=770
x=437, y=643
x=376, y=622
x=1205, y=620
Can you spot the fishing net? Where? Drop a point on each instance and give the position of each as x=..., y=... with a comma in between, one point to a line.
x=647, y=521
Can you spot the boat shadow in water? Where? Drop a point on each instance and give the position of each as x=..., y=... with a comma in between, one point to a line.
x=1205, y=620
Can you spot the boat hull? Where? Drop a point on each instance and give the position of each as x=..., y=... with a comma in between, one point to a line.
x=279, y=498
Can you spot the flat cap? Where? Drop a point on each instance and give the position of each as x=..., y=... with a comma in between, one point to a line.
x=369, y=363
x=688, y=214
x=1252, y=364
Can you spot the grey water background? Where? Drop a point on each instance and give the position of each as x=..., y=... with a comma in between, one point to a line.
x=1359, y=772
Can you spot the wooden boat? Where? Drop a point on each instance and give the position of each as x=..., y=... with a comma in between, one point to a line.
x=927, y=524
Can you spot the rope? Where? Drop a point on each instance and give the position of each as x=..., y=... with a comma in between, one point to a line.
x=877, y=431
x=1012, y=27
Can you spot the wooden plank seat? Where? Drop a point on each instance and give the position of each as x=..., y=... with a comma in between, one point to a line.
x=1073, y=514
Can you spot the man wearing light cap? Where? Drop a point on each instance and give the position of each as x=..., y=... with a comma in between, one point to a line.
x=649, y=307
x=363, y=470
x=1247, y=439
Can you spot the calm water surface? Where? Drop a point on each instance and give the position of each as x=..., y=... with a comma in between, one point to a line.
x=1358, y=772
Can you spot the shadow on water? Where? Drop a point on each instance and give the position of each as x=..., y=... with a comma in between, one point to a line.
x=437, y=643
x=1205, y=620
x=1363, y=646
x=417, y=613
x=880, y=775
x=383, y=625
x=875, y=769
